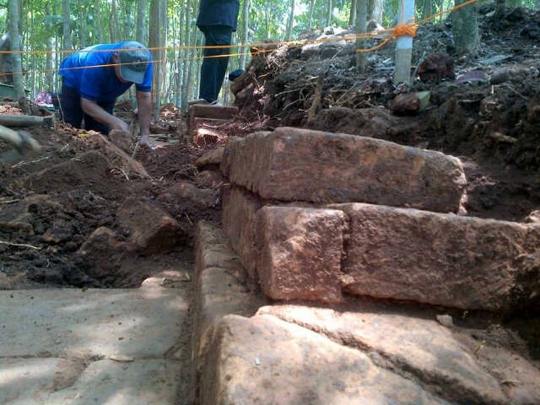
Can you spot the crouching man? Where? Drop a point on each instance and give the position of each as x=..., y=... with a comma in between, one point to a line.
x=94, y=77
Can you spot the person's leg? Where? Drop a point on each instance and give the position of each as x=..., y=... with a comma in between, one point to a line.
x=91, y=124
x=70, y=106
x=215, y=61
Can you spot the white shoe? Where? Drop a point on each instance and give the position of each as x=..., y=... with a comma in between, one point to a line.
x=216, y=104
x=201, y=101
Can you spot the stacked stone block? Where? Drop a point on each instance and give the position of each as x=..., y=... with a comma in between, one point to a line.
x=313, y=215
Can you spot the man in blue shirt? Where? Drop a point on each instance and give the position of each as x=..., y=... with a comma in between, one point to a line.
x=217, y=20
x=94, y=77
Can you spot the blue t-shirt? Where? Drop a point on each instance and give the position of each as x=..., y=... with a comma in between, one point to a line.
x=92, y=73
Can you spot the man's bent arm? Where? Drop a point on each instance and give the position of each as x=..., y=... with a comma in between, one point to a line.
x=99, y=114
x=144, y=105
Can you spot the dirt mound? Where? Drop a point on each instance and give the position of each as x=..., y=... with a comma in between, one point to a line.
x=52, y=203
x=488, y=115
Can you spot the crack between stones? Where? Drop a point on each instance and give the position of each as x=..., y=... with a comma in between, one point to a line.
x=432, y=384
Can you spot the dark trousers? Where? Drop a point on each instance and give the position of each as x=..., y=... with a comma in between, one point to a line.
x=72, y=112
x=215, y=61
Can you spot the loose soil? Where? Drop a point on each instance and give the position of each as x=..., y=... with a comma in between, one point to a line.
x=492, y=125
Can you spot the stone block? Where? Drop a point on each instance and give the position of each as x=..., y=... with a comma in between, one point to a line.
x=422, y=349
x=439, y=259
x=300, y=252
x=152, y=229
x=212, y=111
x=239, y=210
x=292, y=164
x=264, y=360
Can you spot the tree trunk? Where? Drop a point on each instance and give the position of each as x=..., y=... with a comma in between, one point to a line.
x=465, y=29
x=157, y=42
x=190, y=40
x=427, y=8
x=34, y=58
x=378, y=9
x=267, y=14
x=141, y=20
x=113, y=22
x=49, y=75
x=290, y=22
x=352, y=13
x=311, y=10
x=361, y=25
x=99, y=25
x=68, y=44
x=329, y=9
x=179, y=56
x=245, y=34
x=14, y=37
x=402, y=73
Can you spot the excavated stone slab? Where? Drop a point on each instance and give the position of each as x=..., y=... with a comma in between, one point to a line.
x=220, y=290
x=212, y=249
x=208, y=113
x=123, y=383
x=300, y=252
x=140, y=323
x=212, y=111
x=27, y=381
x=264, y=360
x=439, y=259
x=58, y=381
x=427, y=352
x=239, y=213
x=292, y=164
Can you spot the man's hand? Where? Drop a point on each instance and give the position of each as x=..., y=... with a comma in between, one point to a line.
x=119, y=124
x=99, y=114
x=144, y=104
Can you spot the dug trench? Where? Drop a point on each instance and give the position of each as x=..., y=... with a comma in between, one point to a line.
x=82, y=216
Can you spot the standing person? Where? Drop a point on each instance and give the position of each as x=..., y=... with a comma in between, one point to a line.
x=94, y=77
x=217, y=20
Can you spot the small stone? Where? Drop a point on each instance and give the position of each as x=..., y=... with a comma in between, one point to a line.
x=120, y=358
x=445, y=320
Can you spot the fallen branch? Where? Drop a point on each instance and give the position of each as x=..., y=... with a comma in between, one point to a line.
x=9, y=201
x=19, y=245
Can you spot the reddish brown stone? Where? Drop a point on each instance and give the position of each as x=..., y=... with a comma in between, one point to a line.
x=212, y=111
x=186, y=191
x=239, y=210
x=122, y=139
x=120, y=158
x=103, y=252
x=405, y=104
x=152, y=229
x=210, y=179
x=294, y=164
x=300, y=253
x=439, y=259
x=436, y=66
x=263, y=360
x=213, y=157
x=371, y=122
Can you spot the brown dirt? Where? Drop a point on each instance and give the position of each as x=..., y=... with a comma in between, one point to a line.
x=44, y=220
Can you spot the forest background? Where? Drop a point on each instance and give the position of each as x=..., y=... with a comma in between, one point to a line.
x=51, y=29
